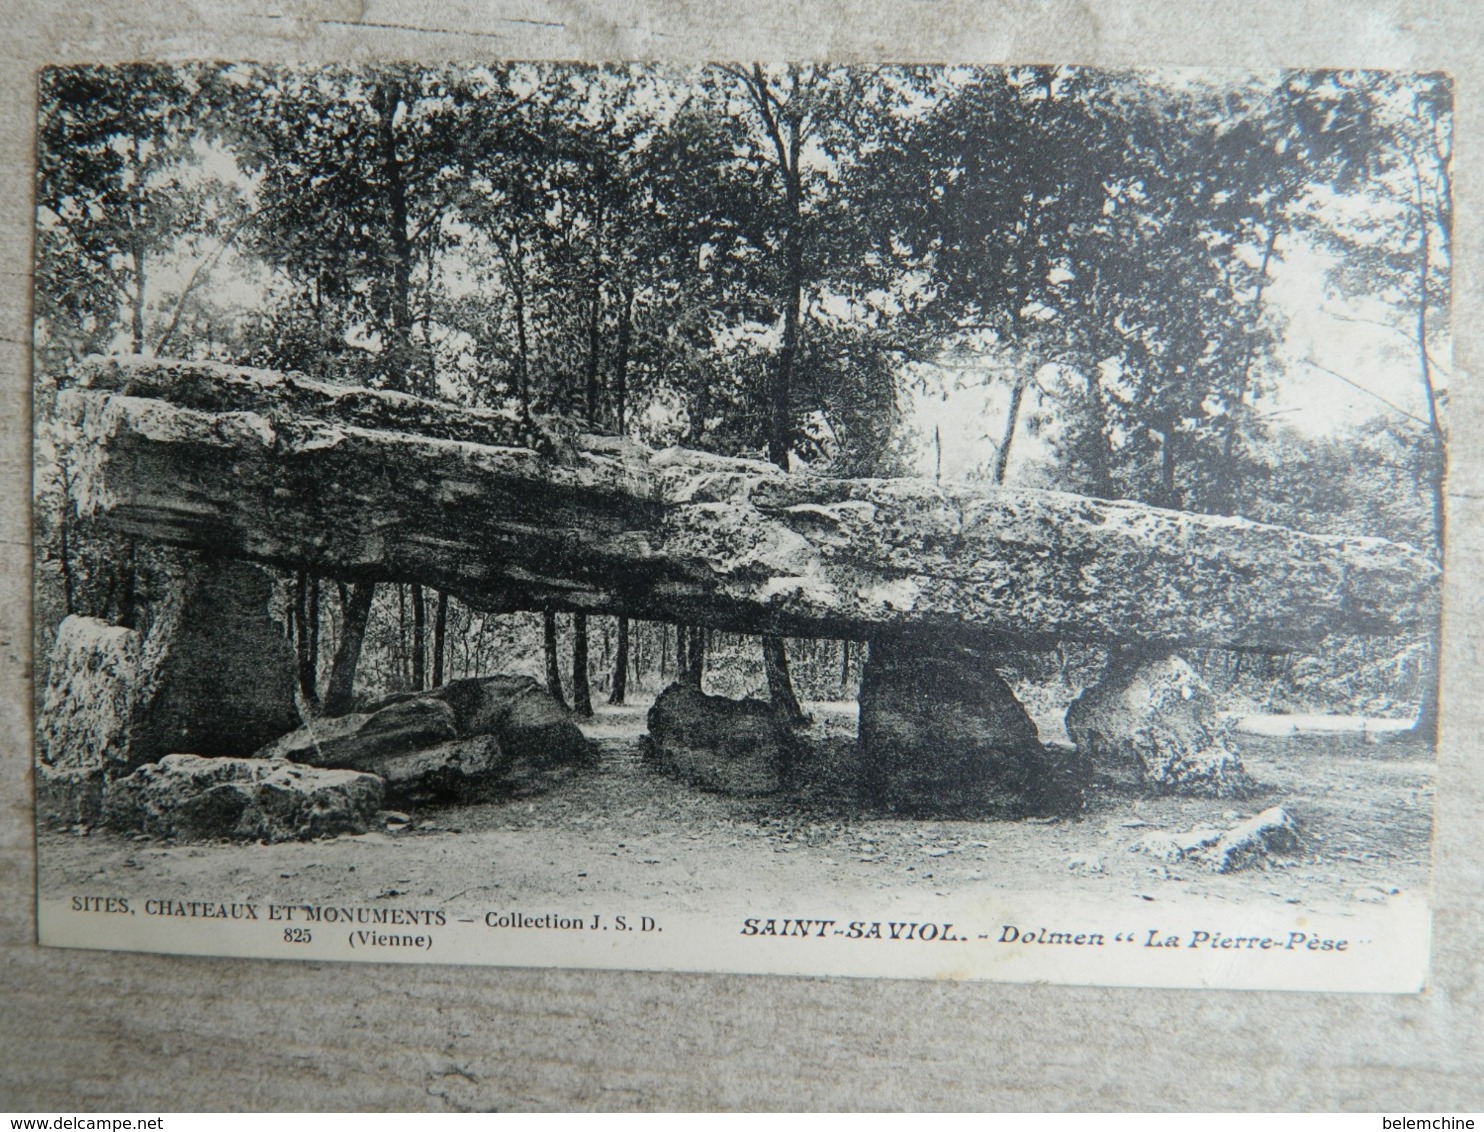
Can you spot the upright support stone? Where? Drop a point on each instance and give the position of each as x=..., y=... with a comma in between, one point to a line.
x=205, y=670
x=1152, y=722
x=82, y=732
x=942, y=733
x=738, y=747
x=225, y=679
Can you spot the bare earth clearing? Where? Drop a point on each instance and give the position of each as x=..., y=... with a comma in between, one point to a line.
x=626, y=833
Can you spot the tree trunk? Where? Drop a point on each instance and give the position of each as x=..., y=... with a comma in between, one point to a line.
x=621, y=664
x=1227, y=498
x=306, y=633
x=582, y=694
x=387, y=99
x=1426, y=727
x=594, y=322
x=404, y=653
x=621, y=364
x=553, y=664
x=136, y=312
x=695, y=660
x=312, y=691
x=775, y=658
x=780, y=688
x=1169, y=494
x=1012, y=418
x=1427, y=713
x=419, y=639
x=440, y=637
x=357, y=611
x=516, y=281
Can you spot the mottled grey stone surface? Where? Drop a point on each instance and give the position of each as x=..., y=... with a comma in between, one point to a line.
x=224, y=799
x=730, y=746
x=605, y=525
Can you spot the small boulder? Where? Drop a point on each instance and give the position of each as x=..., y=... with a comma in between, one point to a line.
x=518, y=710
x=205, y=799
x=358, y=740
x=1250, y=844
x=460, y=770
x=735, y=747
x=1152, y=722
x=1171, y=847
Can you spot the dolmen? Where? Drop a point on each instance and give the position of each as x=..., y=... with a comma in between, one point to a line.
x=946, y=582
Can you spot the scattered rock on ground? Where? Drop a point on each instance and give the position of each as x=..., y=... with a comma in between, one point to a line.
x=1250, y=844
x=357, y=740
x=730, y=746
x=517, y=710
x=456, y=771
x=1178, y=846
x=455, y=743
x=942, y=733
x=1247, y=845
x=1151, y=721
x=200, y=799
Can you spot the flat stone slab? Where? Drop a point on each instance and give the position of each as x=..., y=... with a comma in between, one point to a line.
x=463, y=770
x=359, y=483
x=460, y=742
x=361, y=738
x=229, y=799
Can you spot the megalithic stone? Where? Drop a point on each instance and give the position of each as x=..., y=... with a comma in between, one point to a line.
x=366, y=484
x=206, y=671
x=941, y=732
x=1152, y=722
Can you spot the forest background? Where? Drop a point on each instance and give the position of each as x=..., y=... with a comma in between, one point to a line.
x=1103, y=273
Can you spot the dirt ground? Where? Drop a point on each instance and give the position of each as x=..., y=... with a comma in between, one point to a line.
x=624, y=831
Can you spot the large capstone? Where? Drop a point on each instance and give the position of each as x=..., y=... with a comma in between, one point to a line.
x=203, y=666
x=737, y=747
x=1152, y=722
x=381, y=486
x=942, y=733
x=207, y=799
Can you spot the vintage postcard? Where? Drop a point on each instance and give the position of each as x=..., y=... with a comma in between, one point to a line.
x=942, y=522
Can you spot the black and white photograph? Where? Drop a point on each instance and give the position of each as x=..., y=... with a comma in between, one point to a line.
x=912, y=521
